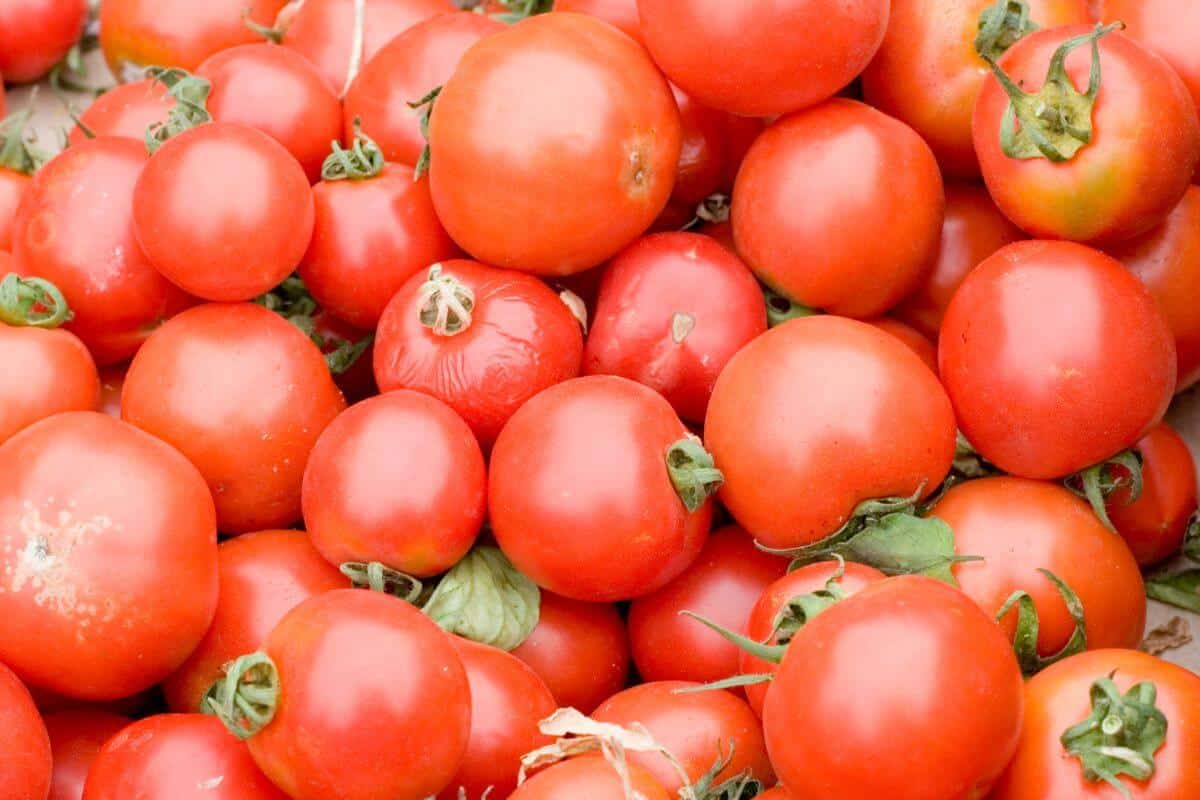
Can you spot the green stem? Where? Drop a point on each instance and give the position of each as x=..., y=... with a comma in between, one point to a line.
x=1001, y=25
x=190, y=93
x=424, y=107
x=781, y=309
x=1097, y=483
x=1025, y=643
x=32, y=303
x=245, y=700
x=772, y=653
x=693, y=472
x=362, y=161
x=522, y=9
x=1121, y=735
x=445, y=303
x=385, y=580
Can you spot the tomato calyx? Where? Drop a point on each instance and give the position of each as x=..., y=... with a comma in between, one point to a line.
x=1001, y=26
x=1121, y=735
x=693, y=472
x=781, y=309
x=1026, y=640
x=71, y=72
x=424, y=109
x=379, y=578
x=292, y=301
x=246, y=698
x=445, y=303
x=364, y=159
x=967, y=465
x=272, y=33
x=1191, y=539
x=32, y=303
x=16, y=151
x=1180, y=589
x=190, y=93
x=486, y=599
x=518, y=10
x=1098, y=482
x=740, y=787
x=1056, y=121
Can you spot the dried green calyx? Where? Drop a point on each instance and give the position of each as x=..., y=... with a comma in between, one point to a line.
x=32, y=303
x=1001, y=25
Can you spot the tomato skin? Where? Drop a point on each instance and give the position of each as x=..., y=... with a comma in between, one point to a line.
x=621, y=14
x=591, y=777
x=1057, y=698
x=577, y=95
x=864, y=166
x=244, y=395
x=357, y=743
x=76, y=738
x=1018, y=526
x=96, y=613
x=74, y=228
x=647, y=292
x=1154, y=525
x=912, y=338
x=521, y=340
x=778, y=793
x=263, y=575
x=1135, y=169
x=125, y=110
x=112, y=381
x=1059, y=392
x=12, y=188
x=25, y=763
x=770, y=433
x=46, y=372
x=36, y=34
x=722, y=585
x=712, y=148
x=1168, y=27
x=581, y=651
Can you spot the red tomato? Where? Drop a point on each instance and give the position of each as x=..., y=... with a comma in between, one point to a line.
x=778, y=793
x=552, y=94
x=581, y=651
x=911, y=337
x=673, y=309
x=209, y=239
x=1058, y=699
x=712, y=148
x=75, y=229
x=263, y=576
x=370, y=237
x=591, y=777
x=580, y=496
x=1041, y=386
x=124, y=110
x=722, y=585
x=910, y=660
x=36, y=34
x=697, y=728
x=406, y=69
x=358, y=382
x=762, y=57
x=176, y=756
x=25, y=763
x=974, y=229
x=1143, y=148
x=75, y=740
x=516, y=338
x=1168, y=27
x=244, y=395
x=112, y=381
x=811, y=187
x=621, y=14
x=92, y=601
x=45, y=372
x=770, y=433
x=281, y=94
x=1154, y=525
x=13, y=186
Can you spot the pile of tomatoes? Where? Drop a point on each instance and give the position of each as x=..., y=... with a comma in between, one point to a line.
x=605, y=399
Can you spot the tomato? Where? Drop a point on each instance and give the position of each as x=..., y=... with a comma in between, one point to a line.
x=1041, y=386
x=928, y=73
x=910, y=660
x=209, y=240
x=176, y=756
x=404, y=70
x=1154, y=525
x=75, y=740
x=713, y=146
x=281, y=94
x=75, y=229
x=698, y=728
x=36, y=34
x=1168, y=27
x=580, y=496
x=673, y=309
x=124, y=110
x=370, y=237
x=1058, y=699
x=762, y=57
x=577, y=96
x=581, y=651
x=515, y=339
x=244, y=395
x=591, y=777
x=263, y=576
x=810, y=187
x=1130, y=161
x=621, y=14
x=974, y=229
x=25, y=761
x=722, y=585
x=778, y=793
x=176, y=33
x=92, y=601
x=770, y=433
x=911, y=337
x=46, y=372
x=13, y=185
x=1167, y=259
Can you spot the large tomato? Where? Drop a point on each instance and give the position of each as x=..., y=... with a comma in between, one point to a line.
x=1041, y=386
x=591, y=777
x=25, y=762
x=76, y=738
x=244, y=395
x=36, y=34
x=1154, y=524
x=553, y=94
x=93, y=601
x=810, y=187
x=1168, y=27
x=125, y=110
x=46, y=372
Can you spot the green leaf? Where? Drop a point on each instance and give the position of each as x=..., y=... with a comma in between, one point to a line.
x=1120, y=737
x=485, y=599
x=1181, y=589
x=1191, y=542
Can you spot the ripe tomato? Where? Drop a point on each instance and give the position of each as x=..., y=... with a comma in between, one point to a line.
x=280, y=93
x=865, y=167
x=25, y=762
x=1041, y=386
x=358, y=382
x=928, y=73
x=92, y=605
x=1154, y=525
x=124, y=110
x=770, y=433
x=1130, y=160
x=75, y=740
x=576, y=95
x=911, y=337
x=621, y=14
x=406, y=69
x=244, y=395
x=36, y=34
x=712, y=148
x=46, y=372
x=75, y=229
x=1168, y=27
x=909, y=659
x=698, y=728
x=13, y=185
x=174, y=756
x=591, y=777
x=722, y=585
x=762, y=57
x=580, y=496
x=673, y=309
x=581, y=651
x=1058, y=699
x=778, y=793
x=481, y=339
